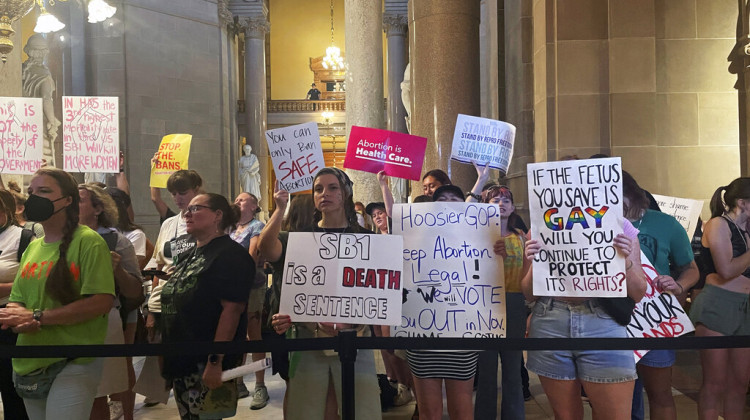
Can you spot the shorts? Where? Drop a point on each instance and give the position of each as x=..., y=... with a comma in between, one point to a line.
x=659, y=358
x=256, y=300
x=722, y=311
x=455, y=365
x=556, y=319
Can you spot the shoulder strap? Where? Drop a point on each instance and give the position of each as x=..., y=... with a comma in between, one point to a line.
x=111, y=239
x=26, y=237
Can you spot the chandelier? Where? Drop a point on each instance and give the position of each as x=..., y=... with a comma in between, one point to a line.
x=13, y=10
x=333, y=59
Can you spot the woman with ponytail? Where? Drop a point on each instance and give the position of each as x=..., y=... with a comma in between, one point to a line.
x=722, y=308
x=61, y=295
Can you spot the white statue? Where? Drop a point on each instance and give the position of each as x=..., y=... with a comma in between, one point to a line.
x=38, y=83
x=406, y=96
x=250, y=172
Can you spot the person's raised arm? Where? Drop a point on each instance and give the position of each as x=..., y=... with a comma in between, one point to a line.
x=161, y=206
x=387, y=194
x=269, y=245
x=483, y=173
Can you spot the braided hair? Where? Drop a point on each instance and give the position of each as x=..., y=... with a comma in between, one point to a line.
x=60, y=282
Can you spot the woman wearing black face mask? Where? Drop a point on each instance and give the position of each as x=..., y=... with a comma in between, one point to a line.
x=13, y=242
x=65, y=283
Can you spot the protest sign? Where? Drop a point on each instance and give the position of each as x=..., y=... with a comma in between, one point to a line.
x=342, y=277
x=575, y=207
x=21, y=135
x=173, y=155
x=453, y=281
x=482, y=140
x=296, y=155
x=372, y=150
x=91, y=134
x=685, y=210
x=657, y=314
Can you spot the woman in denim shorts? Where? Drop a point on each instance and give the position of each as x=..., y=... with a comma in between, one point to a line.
x=606, y=375
x=722, y=308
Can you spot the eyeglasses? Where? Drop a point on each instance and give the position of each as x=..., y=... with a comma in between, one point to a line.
x=195, y=207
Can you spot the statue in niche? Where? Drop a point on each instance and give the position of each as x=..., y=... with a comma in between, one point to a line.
x=38, y=83
x=250, y=172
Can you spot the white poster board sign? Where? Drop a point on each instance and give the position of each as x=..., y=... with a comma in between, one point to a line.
x=296, y=155
x=453, y=280
x=657, y=314
x=685, y=210
x=342, y=277
x=483, y=140
x=575, y=207
x=21, y=135
x=91, y=134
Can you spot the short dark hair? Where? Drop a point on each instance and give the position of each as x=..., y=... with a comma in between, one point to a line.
x=183, y=180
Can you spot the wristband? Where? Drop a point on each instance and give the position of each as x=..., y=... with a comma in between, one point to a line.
x=474, y=196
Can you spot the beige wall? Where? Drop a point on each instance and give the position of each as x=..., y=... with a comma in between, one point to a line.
x=301, y=29
x=643, y=79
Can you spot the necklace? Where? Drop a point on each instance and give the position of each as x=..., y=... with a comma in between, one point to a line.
x=742, y=232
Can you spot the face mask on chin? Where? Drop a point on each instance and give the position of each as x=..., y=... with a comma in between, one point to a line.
x=39, y=209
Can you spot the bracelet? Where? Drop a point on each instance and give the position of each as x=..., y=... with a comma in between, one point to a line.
x=682, y=290
x=474, y=196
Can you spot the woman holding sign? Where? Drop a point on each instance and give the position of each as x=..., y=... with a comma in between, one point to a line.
x=722, y=308
x=607, y=376
x=312, y=371
x=667, y=247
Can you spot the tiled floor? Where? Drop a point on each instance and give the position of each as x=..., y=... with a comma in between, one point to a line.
x=686, y=381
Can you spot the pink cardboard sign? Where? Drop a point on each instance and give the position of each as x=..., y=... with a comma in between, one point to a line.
x=399, y=155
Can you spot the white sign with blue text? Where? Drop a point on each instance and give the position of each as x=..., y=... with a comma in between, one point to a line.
x=483, y=141
x=453, y=281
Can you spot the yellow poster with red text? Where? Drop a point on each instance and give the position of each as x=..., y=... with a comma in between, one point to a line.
x=173, y=154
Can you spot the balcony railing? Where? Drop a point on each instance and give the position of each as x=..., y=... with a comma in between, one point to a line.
x=301, y=105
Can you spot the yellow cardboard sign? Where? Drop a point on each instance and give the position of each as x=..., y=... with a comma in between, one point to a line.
x=173, y=154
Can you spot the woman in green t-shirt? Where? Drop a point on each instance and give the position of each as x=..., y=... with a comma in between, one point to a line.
x=61, y=295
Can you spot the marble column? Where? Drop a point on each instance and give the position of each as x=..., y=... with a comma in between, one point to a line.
x=364, y=81
x=255, y=29
x=395, y=27
x=444, y=52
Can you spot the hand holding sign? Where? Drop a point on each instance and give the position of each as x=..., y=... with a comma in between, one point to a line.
x=576, y=213
x=483, y=140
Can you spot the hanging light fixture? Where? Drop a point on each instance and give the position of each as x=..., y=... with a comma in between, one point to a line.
x=100, y=11
x=11, y=11
x=46, y=22
x=333, y=59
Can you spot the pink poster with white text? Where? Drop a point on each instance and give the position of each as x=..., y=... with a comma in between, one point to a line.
x=372, y=150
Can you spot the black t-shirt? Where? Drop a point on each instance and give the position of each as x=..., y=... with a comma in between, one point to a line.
x=191, y=300
x=314, y=94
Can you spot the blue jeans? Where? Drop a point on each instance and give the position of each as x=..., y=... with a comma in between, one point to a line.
x=512, y=406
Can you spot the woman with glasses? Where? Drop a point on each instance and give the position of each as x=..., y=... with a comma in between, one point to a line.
x=205, y=299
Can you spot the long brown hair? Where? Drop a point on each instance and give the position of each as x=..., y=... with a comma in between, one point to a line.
x=8, y=206
x=99, y=198
x=300, y=216
x=60, y=280
x=737, y=189
x=637, y=199
x=347, y=194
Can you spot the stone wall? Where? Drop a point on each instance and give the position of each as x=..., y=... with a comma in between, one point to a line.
x=168, y=64
x=644, y=79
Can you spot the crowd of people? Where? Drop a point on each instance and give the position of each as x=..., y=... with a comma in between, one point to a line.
x=76, y=269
